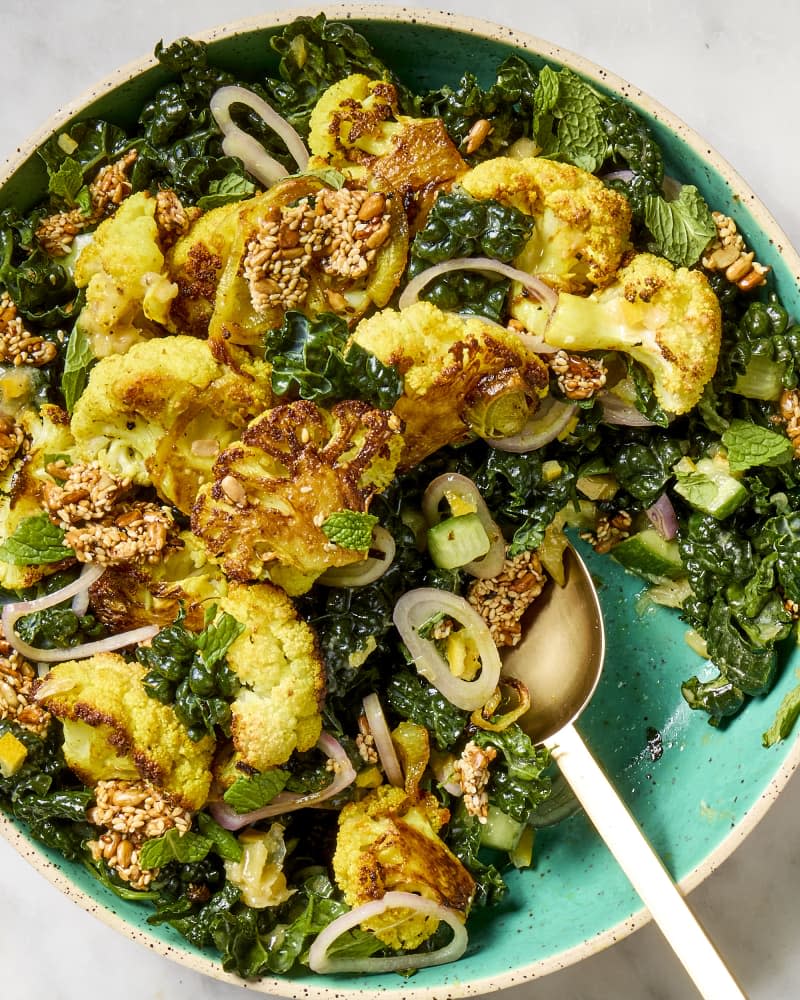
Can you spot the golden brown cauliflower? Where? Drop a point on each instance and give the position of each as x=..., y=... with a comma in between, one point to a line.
x=162, y=413
x=450, y=365
x=112, y=729
x=389, y=841
x=582, y=227
x=295, y=465
x=277, y=709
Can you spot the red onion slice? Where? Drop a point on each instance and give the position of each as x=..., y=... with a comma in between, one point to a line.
x=541, y=291
x=417, y=607
x=319, y=961
x=621, y=414
x=379, y=728
x=367, y=571
x=13, y=612
x=285, y=802
x=452, y=482
x=247, y=148
x=80, y=602
x=663, y=517
x=551, y=419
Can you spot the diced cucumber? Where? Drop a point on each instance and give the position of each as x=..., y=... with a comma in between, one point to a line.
x=707, y=486
x=650, y=555
x=500, y=831
x=456, y=541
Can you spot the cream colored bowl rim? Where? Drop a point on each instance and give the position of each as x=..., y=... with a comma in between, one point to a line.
x=509, y=36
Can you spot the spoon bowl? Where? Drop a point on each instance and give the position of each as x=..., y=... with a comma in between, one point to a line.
x=560, y=660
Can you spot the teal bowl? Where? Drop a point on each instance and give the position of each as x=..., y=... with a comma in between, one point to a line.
x=709, y=788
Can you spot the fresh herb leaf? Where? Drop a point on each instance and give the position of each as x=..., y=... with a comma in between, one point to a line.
x=35, y=540
x=681, y=228
x=224, y=843
x=231, y=187
x=65, y=183
x=750, y=445
x=78, y=362
x=785, y=719
x=350, y=529
x=567, y=120
x=174, y=846
x=248, y=794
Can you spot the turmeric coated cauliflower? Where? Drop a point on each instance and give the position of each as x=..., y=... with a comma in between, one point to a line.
x=389, y=841
x=112, y=729
x=666, y=319
x=356, y=127
x=162, y=413
x=451, y=365
x=276, y=660
x=127, y=295
x=582, y=227
x=272, y=491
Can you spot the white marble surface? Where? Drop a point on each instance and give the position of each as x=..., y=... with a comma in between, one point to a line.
x=729, y=69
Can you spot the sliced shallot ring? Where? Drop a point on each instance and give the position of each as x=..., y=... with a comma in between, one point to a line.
x=13, y=612
x=366, y=571
x=418, y=606
x=662, y=516
x=379, y=728
x=80, y=602
x=284, y=802
x=533, y=435
x=621, y=414
x=541, y=291
x=491, y=564
x=319, y=961
x=247, y=148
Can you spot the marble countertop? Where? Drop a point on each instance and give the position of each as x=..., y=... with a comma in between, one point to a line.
x=728, y=68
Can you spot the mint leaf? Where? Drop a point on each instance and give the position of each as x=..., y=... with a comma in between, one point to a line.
x=682, y=228
x=567, y=120
x=215, y=640
x=350, y=529
x=174, y=846
x=750, y=445
x=247, y=794
x=66, y=182
x=224, y=842
x=36, y=540
x=232, y=187
x=78, y=361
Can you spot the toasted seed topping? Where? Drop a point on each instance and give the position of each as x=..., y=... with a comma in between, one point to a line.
x=472, y=771
x=727, y=253
x=578, y=377
x=502, y=600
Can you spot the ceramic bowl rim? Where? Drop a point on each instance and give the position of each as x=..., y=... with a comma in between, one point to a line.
x=768, y=225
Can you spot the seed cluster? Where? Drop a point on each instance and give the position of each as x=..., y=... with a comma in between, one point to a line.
x=366, y=748
x=727, y=252
x=578, y=377
x=17, y=344
x=341, y=231
x=789, y=414
x=17, y=680
x=172, y=219
x=12, y=438
x=609, y=531
x=472, y=771
x=502, y=600
x=109, y=189
x=131, y=812
x=98, y=525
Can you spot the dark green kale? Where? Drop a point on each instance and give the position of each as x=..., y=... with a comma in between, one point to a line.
x=59, y=628
x=642, y=463
x=44, y=793
x=519, y=783
x=409, y=696
x=189, y=671
x=631, y=146
x=309, y=360
x=463, y=837
x=314, y=54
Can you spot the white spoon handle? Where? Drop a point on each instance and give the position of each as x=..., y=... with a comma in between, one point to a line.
x=646, y=872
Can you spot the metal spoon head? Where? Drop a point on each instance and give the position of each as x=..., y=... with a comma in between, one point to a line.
x=560, y=656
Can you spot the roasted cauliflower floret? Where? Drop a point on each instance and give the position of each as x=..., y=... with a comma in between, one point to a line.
x=112, y=729
x=47, y=433
x=356, y=127
x=272, y=491
x=276, y=660
x=582, y=227
x=666, y=319
x=452, y=367
x=389, y=841
x=133, y=594
x=304, y=245
x=161, y=414
x=127, y=294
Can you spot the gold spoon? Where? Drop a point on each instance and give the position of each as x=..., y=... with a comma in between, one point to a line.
x=560, y=659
